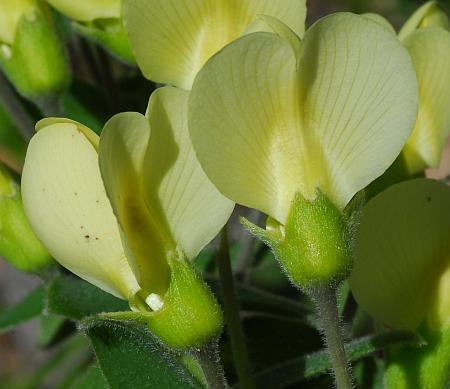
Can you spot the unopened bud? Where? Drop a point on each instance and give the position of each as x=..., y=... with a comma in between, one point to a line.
x=18, y=244
x=32, y=55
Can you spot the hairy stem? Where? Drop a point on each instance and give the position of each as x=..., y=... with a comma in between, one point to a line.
x=232, y=313
x=209, y=360
x=326, y=304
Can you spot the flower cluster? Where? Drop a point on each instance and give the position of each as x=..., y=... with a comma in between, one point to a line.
x=260, y=111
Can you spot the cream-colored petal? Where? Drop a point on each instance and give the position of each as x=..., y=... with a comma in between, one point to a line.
x=264, y=127
x=430, y=52
x=174, y=183
x=88, y=10
x=123, y=145
x=172, y=39
x=402, y=248
x=429, y=14
x=90, y=135
x=380, y=20
x=65, y=202
x=265, y=23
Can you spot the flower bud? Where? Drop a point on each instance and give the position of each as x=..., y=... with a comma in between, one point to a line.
x=31, y=53
x=429, y=14
x=435, y=17
x=99, y=21
x=18, y=244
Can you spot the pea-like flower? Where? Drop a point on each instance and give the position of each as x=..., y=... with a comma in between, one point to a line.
x=426, y=35
x=275, y=120
x=401, y=273
x=172, y=39
x=134, y=239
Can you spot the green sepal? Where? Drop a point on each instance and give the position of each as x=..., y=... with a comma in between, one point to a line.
x=427, y=367
x=36, y=63
x=314, y=245
x=190, y=316
x=110, y=34
x=18, y=244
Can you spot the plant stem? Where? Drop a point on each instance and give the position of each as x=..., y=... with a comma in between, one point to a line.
x=51, y=106
x=246, y=257
x=209, y=360
x=232, y=313
x=326, y=304
x=13, y=106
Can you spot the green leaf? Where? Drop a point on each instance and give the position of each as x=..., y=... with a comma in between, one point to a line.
x=50, y=327
x=272, y=340
x=318, y=363
x=74, y=298
x=30, y=307
x=253, y=299
x=92, y=379
x=131, y=357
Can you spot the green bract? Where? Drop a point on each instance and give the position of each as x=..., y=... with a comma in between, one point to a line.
x=172, y=39
x=29, y=41
x=401, y=270
x=18, y=244
x=158, y=208
x=100, y=21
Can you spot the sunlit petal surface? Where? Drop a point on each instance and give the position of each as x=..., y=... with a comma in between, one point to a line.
x=403, y=249
x=430, y=52
x=267, y=121
x=65, y=201
x=172, y=39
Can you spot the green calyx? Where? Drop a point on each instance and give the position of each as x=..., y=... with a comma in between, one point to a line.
x=18, y=244
x=313, y=247
x=110, y=34
x=36, y=45
x=190, y=315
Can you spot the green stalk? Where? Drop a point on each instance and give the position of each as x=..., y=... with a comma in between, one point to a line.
x=326, y=304
x=13, y=106
x=209, y=360
x=232, y=313
x=51, y=106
